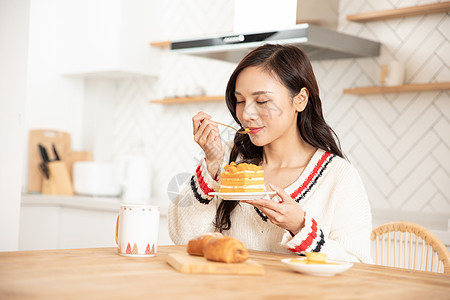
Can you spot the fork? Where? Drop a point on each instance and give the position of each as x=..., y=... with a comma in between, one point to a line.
x=245, y=131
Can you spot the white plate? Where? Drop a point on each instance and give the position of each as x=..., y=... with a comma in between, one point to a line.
x=318, y=269
x=242, y=196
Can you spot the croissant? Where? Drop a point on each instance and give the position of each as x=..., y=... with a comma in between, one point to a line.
x=225, y=249
x=195, y=246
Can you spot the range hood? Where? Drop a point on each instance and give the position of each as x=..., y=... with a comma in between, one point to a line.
x=317, y=42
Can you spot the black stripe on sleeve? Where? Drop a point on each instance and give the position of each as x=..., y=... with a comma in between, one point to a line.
x=196, y=194
x=320, y=243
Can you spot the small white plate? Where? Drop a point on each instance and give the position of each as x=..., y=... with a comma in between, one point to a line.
x=242, y=196
x=318, y=269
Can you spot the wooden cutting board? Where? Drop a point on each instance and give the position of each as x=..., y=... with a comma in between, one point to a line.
x=186, y=263
x=46, y=138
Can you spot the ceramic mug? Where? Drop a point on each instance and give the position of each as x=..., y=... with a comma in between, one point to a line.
x=137, y=230
x=393, y=74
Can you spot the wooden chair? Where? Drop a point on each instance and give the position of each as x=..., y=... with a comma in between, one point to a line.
x=403, y=244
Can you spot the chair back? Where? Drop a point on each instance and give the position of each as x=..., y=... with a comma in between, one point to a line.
x=411, y=246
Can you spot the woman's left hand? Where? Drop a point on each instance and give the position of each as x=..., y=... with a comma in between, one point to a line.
x=286, y=214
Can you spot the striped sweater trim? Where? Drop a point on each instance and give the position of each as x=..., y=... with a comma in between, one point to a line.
x=309, y=183
x=201, y=181
x=314, y=241
x=317, y=243
x=320, y=243
x=260, y=213
x=307, y=242
x=314, y=238
x=195, y=190
x=313, y=177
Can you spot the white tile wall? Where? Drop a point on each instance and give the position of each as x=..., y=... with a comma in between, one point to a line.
x=400, y=143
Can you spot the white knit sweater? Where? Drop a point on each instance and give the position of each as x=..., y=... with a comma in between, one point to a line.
x=330, y=191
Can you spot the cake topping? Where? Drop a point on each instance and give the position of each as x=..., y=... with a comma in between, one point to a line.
x=233, y=168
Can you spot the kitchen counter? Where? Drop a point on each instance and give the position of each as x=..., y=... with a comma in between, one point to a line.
x=110, y=204
x=42, y=206
x=60, y=222
x=100, y=273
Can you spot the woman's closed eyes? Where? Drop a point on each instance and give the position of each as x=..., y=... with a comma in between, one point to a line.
x=257, y=101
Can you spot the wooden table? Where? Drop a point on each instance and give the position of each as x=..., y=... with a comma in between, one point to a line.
x=103, y=274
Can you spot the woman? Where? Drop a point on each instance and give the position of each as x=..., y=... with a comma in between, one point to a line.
x=321, y=204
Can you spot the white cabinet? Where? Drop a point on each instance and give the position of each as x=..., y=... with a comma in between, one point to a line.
x=82, y=228
x=62, y=222
x=39, y=228
x=108, y=38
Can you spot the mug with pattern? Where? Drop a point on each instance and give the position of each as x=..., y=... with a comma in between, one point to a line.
x=137, y=230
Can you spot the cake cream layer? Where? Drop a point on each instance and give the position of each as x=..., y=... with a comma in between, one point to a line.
x=241, y=181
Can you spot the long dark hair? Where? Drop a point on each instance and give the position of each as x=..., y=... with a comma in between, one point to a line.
x=294, y=70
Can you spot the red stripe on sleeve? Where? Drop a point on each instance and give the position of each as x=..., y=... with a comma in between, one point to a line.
x=306, y=243
x=201, y=181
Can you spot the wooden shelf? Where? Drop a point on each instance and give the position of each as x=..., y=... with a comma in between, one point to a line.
x=189, y=100
x=407, y=88
x=401, y=12
x=161, y=44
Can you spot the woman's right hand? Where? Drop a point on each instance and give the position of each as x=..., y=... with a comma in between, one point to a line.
x=206, y=134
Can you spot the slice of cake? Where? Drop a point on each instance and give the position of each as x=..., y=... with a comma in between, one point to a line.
x=242, y=178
